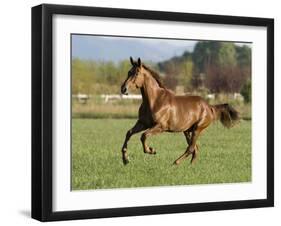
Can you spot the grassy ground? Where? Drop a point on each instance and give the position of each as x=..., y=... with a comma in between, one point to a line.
x=225, y=156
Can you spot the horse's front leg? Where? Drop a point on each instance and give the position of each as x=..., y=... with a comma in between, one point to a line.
x=152, y=131
x=138, y=127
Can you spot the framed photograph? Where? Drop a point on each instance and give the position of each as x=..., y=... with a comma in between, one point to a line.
x=146, y=112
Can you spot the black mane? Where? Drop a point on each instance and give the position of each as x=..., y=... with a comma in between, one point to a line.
x=155, y=75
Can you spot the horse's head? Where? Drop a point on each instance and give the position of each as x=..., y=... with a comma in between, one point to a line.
x=135, y=78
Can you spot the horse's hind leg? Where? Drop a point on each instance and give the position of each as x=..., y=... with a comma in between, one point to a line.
x=182, y=157
x=138, y=127
x=192, y=147
x=188, y=135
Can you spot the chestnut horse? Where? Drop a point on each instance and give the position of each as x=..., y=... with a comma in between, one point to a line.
x=163, y=111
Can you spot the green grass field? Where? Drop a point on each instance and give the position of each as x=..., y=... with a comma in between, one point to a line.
x=225, y=156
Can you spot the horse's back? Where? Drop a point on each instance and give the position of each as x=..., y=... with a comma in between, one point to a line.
x=190, y=101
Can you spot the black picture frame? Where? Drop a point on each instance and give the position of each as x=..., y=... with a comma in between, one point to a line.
x=42, y=107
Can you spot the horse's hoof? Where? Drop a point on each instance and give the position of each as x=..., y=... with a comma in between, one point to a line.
x=152, y=151
x=176, y=162
x=125, y=161
x=193, y=159
x=192, y=162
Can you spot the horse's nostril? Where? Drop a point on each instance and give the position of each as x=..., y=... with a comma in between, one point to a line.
x=123, y=89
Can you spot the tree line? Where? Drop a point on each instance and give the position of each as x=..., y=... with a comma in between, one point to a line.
x=214, y=66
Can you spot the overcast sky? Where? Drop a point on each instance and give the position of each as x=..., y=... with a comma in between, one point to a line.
x=103, y=48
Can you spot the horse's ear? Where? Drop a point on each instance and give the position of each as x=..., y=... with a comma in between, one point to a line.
x=132, y=61
x=139, y=62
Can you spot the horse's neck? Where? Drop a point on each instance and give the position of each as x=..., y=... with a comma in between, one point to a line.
x=150, y=91
x=144, y=98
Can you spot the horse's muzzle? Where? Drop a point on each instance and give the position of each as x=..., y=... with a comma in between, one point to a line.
x=124, y=90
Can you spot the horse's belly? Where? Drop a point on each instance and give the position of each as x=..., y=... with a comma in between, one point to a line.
x=181, y=122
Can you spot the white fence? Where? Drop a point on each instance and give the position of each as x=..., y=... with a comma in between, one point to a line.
x=234, y=96
x=83, y=98
x=112, y=97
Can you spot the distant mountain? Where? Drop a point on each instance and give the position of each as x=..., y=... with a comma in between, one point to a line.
x=118, y=48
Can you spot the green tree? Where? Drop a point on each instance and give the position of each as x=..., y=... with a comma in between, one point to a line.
x=83, y=76
x=246, y=91
x=204, y=55
x=243, y=55
x=227, y=55
x=185, y=74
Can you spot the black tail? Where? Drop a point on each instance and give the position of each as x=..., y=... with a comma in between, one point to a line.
x=227, y=115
